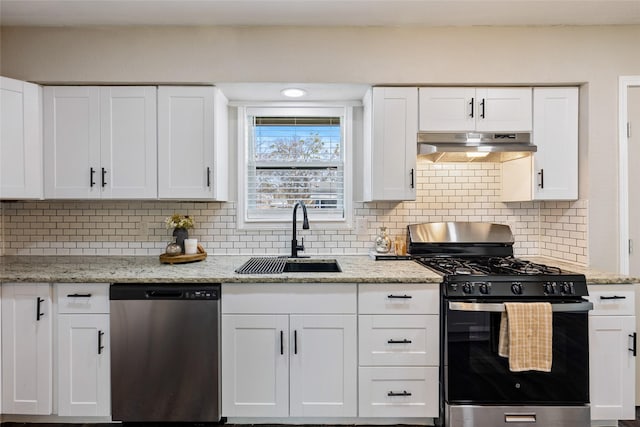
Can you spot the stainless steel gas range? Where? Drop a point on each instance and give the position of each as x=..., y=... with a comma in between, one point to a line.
x=480, y=275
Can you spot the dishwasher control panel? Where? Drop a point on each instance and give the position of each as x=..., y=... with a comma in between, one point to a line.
x=201, y=294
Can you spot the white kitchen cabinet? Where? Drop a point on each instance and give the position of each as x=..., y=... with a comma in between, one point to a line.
x=399, y=350
x=466, y=109
x=26, y=349
x=192, y=143
x=20, y=140
x=323, y=366
x=390, y=147
x=289, y=350
x=100, y=142
x=83, y=380
x=552, y=172
x=255, y=365
x=612, y=348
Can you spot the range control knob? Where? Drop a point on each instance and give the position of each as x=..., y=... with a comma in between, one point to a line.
x=566, y=287
x=516, y=288
x=484, y=288
x=467, y=288
x=549, y=288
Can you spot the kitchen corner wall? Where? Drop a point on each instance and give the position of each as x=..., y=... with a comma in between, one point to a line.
x=445, y=192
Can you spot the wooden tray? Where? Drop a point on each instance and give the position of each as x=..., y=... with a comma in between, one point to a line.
x=181, y=259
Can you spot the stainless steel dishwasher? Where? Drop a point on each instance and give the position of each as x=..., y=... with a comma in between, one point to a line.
x=165, y=352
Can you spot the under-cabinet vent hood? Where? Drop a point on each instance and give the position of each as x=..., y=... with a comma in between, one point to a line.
x=474, y=146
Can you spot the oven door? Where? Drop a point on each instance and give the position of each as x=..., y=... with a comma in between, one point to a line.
x=475, y=373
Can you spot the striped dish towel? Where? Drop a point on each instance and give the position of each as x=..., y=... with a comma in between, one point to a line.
x=526, y=336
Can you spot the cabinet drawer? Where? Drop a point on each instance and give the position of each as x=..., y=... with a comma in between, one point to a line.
x=289, y=298
x=398, y=392
x=82, y=297
x=612, y=302
x=388, y=298
x=398, y=340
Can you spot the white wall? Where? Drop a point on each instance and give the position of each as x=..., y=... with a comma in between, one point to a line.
x=593, y=56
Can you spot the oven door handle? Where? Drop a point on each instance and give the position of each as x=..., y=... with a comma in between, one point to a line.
x=499, y=307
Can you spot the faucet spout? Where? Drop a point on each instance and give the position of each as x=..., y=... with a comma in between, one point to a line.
x=305, y=226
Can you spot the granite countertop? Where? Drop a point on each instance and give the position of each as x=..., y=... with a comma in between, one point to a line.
x=220, y=268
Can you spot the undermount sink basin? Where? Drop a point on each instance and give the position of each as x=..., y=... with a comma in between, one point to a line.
x=306, y=265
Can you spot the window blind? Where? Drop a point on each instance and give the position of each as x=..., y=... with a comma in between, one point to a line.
x=291, y=159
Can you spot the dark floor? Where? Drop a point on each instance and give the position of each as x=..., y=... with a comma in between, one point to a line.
x=635, y=423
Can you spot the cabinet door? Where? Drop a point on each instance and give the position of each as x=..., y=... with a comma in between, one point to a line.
x=391, y=174
x=503, y=110
x=447, y=109
x=555, y=133
x=185, y=142
x=323, y=365
x=612, y=367
x=72, y=142
x=83, y=365
x=128, y=160
x=255, y=366
x=26, y=349
x=20, y=140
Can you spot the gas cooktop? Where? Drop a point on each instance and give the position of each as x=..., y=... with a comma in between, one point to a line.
x=485, y=265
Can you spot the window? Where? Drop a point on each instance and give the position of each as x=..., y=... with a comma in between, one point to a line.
x=293, y=154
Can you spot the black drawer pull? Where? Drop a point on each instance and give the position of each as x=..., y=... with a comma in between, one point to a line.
x=281, y=342
x=78, y=295
x=614, y=297
x=295, y=342
x=399, y=296
x=393, y=393
x=403, y=341
x=634, y=337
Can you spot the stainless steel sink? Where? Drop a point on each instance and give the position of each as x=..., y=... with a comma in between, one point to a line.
x=307, y=265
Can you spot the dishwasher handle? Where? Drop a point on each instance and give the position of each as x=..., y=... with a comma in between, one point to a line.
x=160, y=294
x=165, y=291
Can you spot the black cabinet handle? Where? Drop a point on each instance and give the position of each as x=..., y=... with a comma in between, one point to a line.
x=208, y=176
x=38, y=304
x=281, y=342
x=295, y=342
x=403, y=341
x=613, y=297
x=399, y=296
x=104, y=181
x=100, y=346
x=471, y=103
x=541, y=183
x=412, y=177
x=91, y=181
x=482, y=104
x=634, y=337
x=78, y=295
x=403, y=393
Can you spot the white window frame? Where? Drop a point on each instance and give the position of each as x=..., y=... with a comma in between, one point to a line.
x=344, y=110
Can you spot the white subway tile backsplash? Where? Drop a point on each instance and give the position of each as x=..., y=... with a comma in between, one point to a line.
x=445, y=192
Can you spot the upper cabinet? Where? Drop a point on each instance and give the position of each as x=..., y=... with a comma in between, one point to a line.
x=390, y=150
x=464, y=109
x=20, y=140
x=100, y=142
x=192, y=143
x=552, y=172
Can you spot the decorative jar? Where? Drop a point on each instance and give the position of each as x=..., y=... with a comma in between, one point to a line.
x=383, y=242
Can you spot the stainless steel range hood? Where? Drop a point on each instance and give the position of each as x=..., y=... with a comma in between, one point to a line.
x=475, y=146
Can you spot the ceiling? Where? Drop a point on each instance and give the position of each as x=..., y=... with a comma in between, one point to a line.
x=319, y=12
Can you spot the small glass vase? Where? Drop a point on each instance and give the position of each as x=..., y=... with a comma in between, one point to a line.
x=382, y=242
x=180, y=234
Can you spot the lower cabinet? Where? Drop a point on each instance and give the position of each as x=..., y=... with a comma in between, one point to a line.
x=289, y=351
x=83, y=381
x=27, y=373
x=612, y=352
x=399, y=348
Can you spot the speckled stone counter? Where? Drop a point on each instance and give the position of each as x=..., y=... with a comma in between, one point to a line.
x=220, y=269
